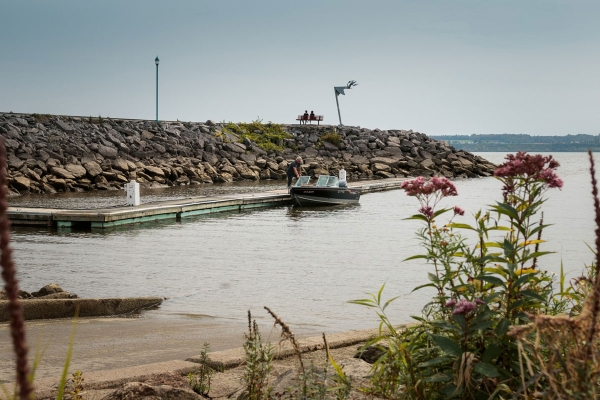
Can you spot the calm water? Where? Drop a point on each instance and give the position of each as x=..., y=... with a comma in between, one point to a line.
x=303, y=263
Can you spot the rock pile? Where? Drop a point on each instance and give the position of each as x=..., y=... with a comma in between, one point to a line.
x=49, y=154
x=51, y=291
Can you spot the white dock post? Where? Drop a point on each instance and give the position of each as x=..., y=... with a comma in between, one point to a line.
x=133, y=193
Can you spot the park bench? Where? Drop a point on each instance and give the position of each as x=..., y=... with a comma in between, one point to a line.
x=303, y=118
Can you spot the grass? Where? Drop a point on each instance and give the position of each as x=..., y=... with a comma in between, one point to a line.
x=332, y=138
x=268, y=137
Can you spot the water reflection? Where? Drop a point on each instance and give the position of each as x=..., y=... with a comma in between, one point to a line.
x=296, y=213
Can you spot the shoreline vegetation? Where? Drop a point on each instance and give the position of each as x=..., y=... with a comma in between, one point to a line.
x=498, y=325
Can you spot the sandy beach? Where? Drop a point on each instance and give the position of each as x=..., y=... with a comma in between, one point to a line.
x=109, y=343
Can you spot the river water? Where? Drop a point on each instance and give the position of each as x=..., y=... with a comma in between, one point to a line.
x=305, y=264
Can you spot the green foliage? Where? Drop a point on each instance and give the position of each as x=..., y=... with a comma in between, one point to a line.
x=267, y=136
x=76, y=385
x=259, y=362
x=332, y=138
x=461, y=348
x=200, y=379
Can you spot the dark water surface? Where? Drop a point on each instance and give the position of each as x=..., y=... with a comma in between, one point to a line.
x=305, y=264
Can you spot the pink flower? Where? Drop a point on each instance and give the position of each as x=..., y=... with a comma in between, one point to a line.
x=450, y=303
x=536, y=167
x=464, y=307
x=479, y=301
x=458, y=211
x=426, y=211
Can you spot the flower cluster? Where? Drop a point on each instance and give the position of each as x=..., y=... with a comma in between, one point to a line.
x=463, y=307
x=534, y=167
x=420, y=187
x=430, y=192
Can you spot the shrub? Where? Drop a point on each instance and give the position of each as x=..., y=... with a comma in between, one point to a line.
x=332, y=138
x=200, y=379
x=268, y=136
x=462, y=349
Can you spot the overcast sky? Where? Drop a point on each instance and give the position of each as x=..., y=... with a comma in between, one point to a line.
x=439, y=67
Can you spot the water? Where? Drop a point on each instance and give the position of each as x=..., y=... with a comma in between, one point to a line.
x=305, y=264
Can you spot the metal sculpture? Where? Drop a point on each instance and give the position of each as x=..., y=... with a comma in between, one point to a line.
x=340, y=90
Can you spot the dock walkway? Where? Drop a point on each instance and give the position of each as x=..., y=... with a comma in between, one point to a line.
x=102, y=218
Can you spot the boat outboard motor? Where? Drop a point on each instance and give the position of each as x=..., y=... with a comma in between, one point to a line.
x=342, y=175
x=342, y=184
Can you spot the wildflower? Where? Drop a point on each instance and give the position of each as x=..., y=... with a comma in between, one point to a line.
x=426, y=211
x=479, y=301
x=464, y=307
x=536, y=167
x=450, y=303
x=430, y=192
x=458, y=211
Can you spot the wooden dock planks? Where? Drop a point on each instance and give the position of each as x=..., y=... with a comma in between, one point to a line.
x=102, y=218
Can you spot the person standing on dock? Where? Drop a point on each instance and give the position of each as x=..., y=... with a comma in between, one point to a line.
x=294, y=169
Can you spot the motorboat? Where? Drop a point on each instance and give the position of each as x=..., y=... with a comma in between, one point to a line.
x=328, y=191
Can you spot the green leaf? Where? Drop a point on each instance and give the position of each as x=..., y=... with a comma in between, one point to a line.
x=418, y=256
x=439, y=377
x=445, y=325
x=505, y=209
x=486, y=369
x=447, y=345
x=494, y=280
x=502, y=327
x=461, y=226
x=491, y=353
x=433, y=277
x=435, y=361
x=363, y=302
x=423, y=286
x=483, y=325
x=532, y=295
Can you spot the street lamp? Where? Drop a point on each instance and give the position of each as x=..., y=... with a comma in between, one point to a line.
x=340, y=90
x=156, y=61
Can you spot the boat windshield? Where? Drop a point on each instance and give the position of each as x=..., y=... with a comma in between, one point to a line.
x=332, y=181
x=322, y=180
x=303, y=180
x=327, y=181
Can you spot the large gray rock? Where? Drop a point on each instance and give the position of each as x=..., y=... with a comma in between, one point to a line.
x=154, y=171
x=62, y=173
x=76, y=170
x=107, y=152
x=93, y=169
x=21, y=183
x=121, y=165
x=48, y=289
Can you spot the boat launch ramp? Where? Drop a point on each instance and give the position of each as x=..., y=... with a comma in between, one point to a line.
x=102, y=218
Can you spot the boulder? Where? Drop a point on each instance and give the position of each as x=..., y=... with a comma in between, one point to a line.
x=120, y=165
x=76, y=170
x=21, y=183
x=154, y=171
x=93, y=169
x=48, y=289
x=61, y=173
x=107, y=152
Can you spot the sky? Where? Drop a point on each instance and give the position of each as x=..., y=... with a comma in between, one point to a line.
x=440, y=67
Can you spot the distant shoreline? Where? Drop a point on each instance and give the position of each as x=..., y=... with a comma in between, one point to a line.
x=512, y=143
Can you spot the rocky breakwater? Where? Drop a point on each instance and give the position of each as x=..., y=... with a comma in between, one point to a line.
x=49, y=154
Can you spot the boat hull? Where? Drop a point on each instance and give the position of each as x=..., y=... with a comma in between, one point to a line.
x=324, y=196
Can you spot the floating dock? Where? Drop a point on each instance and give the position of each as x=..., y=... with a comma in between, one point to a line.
x=109, y=217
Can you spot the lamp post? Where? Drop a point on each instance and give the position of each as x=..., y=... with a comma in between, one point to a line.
x=156, y=61
x=340, y=90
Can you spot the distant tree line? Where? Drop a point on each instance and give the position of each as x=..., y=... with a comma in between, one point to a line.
x=522, y=142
